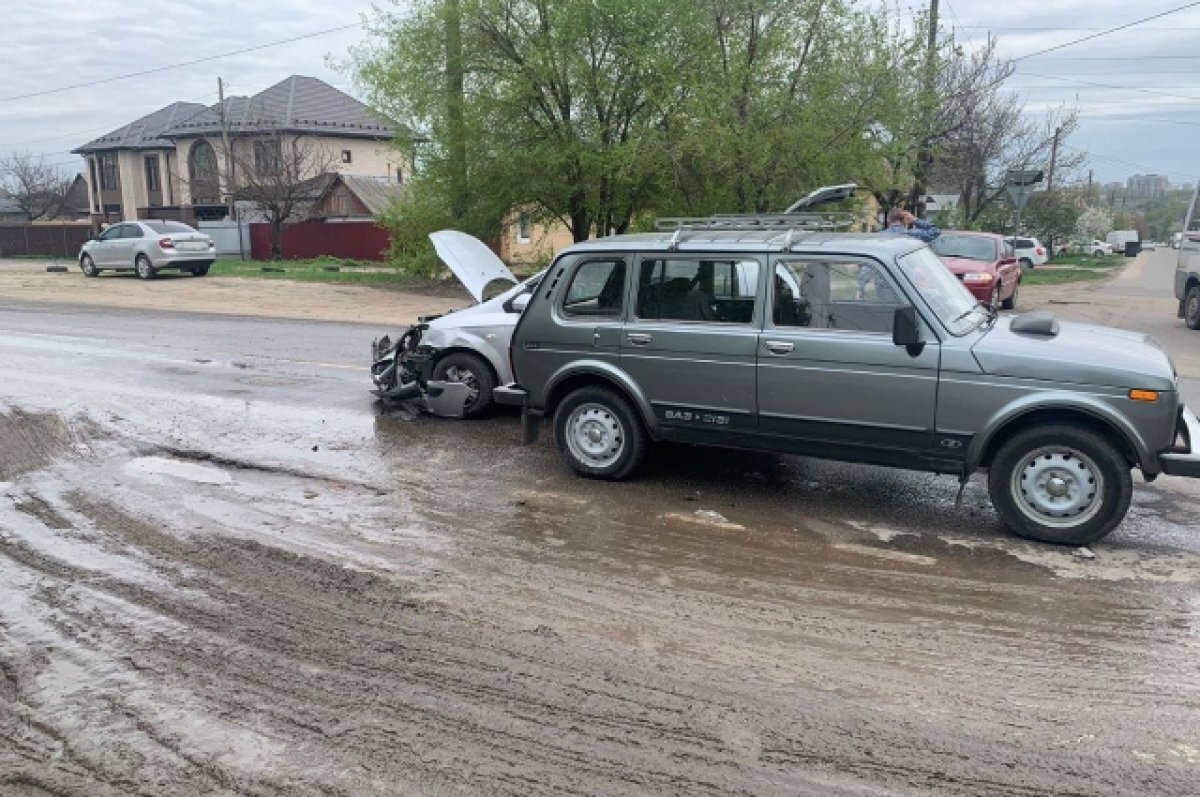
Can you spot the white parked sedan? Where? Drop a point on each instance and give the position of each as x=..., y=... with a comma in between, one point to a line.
x=147, y=247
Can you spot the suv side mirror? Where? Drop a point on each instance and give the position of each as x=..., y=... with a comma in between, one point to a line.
x=906, y=330
x=520, y=302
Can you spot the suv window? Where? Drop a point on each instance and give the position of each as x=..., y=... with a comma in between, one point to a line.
x=596, y=289
x=847, y=295
x=697, y=289
x=1024, y=243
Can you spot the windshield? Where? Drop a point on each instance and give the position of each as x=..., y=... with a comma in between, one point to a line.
x=953, y=304
x=969, y=247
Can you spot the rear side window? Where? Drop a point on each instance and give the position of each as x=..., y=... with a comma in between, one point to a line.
x=168, y=226
x=1024, y=243
x=597, y=288
x=697, y=289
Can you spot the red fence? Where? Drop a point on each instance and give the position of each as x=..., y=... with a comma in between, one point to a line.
x=61, y=240
x=353, y=240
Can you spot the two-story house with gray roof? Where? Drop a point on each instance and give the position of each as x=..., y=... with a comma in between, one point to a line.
x=173, y=163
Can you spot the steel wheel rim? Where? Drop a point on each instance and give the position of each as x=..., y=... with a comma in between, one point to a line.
x=595, y=435
x=1193, y=306
x=1058, y=486
x=466, y=377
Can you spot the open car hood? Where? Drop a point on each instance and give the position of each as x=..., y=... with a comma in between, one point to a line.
x=471, y=261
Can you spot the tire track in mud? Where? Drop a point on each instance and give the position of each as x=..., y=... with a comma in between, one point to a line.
x=349, y=665
x=510, y=678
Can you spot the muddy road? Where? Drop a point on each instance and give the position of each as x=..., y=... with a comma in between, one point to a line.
x=224, y=571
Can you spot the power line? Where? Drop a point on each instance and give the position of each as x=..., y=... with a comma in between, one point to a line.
x=1121, y=58
x=1107, y=31
x=10, y=145
x=180, y=64
x=1140, y=120
x=1139, y=166
x=1044, y=29
x=1110, y=86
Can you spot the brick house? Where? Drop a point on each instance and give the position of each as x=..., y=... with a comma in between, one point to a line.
x=172, y=163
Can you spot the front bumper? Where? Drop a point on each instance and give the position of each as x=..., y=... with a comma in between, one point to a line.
x=1183, y=459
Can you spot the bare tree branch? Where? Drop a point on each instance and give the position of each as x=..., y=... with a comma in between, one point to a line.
x=37, y=187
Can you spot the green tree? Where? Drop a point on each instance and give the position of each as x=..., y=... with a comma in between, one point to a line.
x=598, y=114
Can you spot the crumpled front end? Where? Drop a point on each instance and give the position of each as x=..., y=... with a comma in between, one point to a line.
x=402, y=369
x=395, y=366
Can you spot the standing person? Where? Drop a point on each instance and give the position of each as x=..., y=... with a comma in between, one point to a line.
x=899, y=222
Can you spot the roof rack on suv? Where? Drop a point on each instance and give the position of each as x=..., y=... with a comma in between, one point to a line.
x=780, y=222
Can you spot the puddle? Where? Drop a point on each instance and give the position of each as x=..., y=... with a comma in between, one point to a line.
x=187, y=471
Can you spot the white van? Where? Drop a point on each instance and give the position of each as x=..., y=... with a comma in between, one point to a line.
x=1118, y=239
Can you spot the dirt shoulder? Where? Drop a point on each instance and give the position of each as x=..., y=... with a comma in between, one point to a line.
x=29, y=280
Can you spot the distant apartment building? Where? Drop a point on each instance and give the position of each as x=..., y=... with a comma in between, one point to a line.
x=172, y=163
x=1148, y=185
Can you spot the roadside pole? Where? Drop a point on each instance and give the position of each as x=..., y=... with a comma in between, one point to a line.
x=230, y=202
x=1020, y=185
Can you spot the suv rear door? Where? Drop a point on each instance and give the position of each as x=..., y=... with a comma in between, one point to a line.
x=691, y=336
x=828, y=371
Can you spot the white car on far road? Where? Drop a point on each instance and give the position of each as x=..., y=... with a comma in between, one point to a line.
x=1030, y=253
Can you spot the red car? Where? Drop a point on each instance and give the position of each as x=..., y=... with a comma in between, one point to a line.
x=985, y=263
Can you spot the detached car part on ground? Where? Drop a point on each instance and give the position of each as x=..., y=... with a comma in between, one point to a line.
x=450, y=363
x=862, y=348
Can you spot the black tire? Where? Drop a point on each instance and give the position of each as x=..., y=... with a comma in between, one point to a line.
x=199, y=271
x=144, y=268
x=1011, y=302
x=994, y=302
x=612, y=417
x=1191, y=307
x=88, y=266
x=475, y=371
x=1079, y=459
x=1098, y=253
x=1026, y=263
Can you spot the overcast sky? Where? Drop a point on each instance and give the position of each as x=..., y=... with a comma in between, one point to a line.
x=56, y=43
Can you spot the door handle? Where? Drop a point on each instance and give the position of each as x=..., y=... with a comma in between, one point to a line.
x=779, y=346
x=639, y=338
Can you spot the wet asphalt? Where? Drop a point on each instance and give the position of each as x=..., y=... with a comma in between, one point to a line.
x=226, y=570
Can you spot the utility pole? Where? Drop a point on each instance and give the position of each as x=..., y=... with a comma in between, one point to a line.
x=455, y=101
x=230, y=203
x=1050, y=181
x=924, y=152
x=1053, y=158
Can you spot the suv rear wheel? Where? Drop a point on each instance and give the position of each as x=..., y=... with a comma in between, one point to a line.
x=599, y=434
x=1060, y=484
x=1191, y=307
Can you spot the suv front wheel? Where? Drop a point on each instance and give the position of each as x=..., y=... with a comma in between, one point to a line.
x=599, y=434
x=1060, y=484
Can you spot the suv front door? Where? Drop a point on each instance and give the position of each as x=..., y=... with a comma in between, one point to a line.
x=828, y=371
x=690, y=340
